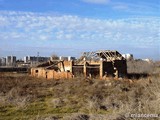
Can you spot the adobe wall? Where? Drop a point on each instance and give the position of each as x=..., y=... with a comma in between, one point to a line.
x=65, y=66
x=38, y=72
x=50, y=74
x=62, y=75
x=33, y=72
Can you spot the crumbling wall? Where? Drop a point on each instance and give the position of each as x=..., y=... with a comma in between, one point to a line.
x=50, y=74
x=62, y=75
x=38, y=72
x=65, y=65
x=34, y=72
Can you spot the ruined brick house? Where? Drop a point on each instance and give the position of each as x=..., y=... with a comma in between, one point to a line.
x=57, y=69
x=99, y=64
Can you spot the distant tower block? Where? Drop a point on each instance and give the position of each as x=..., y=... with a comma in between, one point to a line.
x=128, y=56
x=71, y=58
x=11, y=61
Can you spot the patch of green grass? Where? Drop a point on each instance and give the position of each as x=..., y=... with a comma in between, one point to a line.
x=4, y=109
x=34, y=109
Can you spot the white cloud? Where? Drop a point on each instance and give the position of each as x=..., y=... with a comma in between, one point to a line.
x=37, y=27
x=138, y=7
x=96, y=1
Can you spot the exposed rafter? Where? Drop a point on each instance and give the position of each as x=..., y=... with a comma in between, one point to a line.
x=107, y=55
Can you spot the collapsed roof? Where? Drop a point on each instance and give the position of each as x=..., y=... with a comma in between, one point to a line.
x=50, y=65
x=108, y=55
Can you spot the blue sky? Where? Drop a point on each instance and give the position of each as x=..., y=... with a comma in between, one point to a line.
x=70, y=27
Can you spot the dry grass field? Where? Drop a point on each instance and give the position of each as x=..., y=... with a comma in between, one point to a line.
x=23, y=97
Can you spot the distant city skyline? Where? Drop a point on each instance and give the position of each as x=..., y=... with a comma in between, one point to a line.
x=68, y=28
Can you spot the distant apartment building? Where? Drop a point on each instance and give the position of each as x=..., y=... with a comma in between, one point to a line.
x=11, y=61
x=43, y=59
x=128, y=56
x=69, y=58
x=29, y=59
x=2, y=61
x=33, y=60
x=147, y=60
